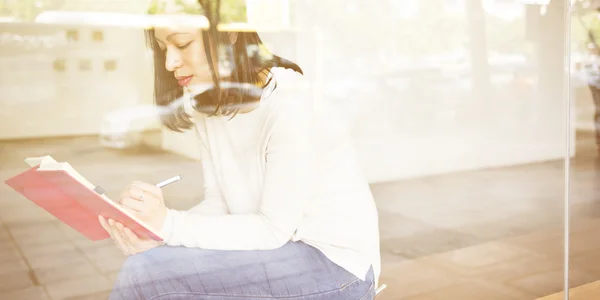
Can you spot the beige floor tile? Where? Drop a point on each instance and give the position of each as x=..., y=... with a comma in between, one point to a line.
x=578, y=224
x=67, y=257
x=391, y=258
x=24, y=213
x=84, y=243
x=387, y=296
x=106, y=258
x=476, y=259
x=393, y=226
x=69, y=232
x=475, y=291
x=15, y=281
x=548, y=242
x=411, y=278
x=584, y=241
x=523, y=267
x=102, y=251
x=109, y=264
x=37, y=233
x=492, y=231
x=588, y=262
x=31, y=293
x=63, y=272
x=4, y=235
x=9, y=251
x=427, y=243
x=15, y=265
x=503, y=273
x=546, y=283
x=417, y=297
x=78, y=287
x=96, y=296
x=37, y=250
x=463, y=221
x=8, y=196
x=25, y=229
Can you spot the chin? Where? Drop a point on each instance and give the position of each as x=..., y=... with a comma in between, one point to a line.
x=198, y=88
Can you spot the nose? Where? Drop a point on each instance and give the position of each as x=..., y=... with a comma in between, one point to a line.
x=172, y=59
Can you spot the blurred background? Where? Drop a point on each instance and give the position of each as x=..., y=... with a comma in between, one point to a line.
x=459, y=109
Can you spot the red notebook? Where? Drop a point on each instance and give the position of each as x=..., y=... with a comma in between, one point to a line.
x=60, y=190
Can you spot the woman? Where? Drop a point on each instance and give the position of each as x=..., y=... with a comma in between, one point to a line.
x=287, y=212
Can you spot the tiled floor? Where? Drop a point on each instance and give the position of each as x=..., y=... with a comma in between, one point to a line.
x=492, y=234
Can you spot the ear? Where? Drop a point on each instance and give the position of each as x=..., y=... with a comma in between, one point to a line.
x=233, y=37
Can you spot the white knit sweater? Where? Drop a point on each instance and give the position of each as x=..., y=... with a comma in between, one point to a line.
x=287, y=171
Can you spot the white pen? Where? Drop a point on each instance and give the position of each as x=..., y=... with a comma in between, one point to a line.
x=168, y=181
x=98, y=189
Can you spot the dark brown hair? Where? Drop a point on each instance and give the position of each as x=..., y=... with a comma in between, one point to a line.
x=248, y=68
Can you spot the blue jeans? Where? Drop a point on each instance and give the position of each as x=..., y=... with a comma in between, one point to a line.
x=294, y=271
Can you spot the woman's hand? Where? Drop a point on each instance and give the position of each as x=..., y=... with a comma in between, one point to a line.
x=146, y=202
x=125, y=239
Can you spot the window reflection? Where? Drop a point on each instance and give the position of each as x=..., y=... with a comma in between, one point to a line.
x=456, y=108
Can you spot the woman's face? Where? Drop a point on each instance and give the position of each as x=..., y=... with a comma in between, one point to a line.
x=185, y=56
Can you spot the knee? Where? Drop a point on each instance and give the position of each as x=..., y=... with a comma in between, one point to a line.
x=136, y=278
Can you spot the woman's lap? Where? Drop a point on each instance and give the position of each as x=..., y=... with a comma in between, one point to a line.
x=294, y=271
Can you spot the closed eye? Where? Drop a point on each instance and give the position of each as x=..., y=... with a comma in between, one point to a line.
x=184, y=46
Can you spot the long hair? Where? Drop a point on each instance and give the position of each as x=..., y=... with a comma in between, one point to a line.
x=250, y=69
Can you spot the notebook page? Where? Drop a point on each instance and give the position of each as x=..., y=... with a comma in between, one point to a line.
x=64, y=166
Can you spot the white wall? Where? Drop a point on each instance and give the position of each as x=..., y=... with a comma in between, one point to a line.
x=40, y=101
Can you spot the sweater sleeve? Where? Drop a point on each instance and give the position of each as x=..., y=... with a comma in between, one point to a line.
x=213, y=202
x=287, y=191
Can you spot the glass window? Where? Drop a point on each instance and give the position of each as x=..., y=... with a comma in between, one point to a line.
x=452, y=150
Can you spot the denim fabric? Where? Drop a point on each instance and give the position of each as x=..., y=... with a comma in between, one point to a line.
x=294, y=271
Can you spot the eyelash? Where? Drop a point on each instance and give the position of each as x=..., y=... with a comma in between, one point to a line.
x=184, y=46
x=178, y=47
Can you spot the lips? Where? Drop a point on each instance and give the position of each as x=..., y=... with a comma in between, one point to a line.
x=184, y=80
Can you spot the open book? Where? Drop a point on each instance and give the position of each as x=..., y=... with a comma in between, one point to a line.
x=60, y=190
